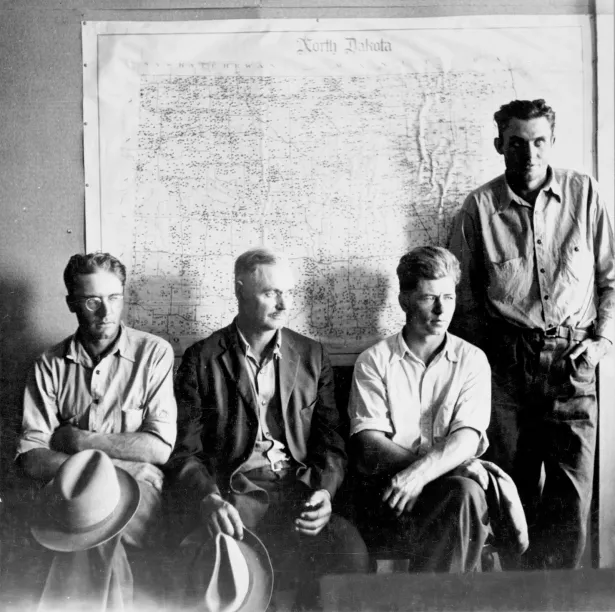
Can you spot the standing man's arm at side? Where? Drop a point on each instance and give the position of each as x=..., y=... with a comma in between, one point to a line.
x=604, y=252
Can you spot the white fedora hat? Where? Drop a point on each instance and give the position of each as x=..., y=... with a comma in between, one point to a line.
x=237, y=577
x=87, y=503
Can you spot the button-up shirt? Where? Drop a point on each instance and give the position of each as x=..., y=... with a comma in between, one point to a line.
x=129, y=390
x=270, y=447
x=419, y=405
x=536, y=266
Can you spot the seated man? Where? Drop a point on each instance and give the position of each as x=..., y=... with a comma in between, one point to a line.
x=258, y=432
x=107, y=387
x=419, y=408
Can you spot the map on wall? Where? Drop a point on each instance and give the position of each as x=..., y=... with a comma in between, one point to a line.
x=341, y=143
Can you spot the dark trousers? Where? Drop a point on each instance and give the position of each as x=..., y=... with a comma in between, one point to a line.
x=298, y=560
x=338, y=548
x=444, y=532
x=543, y=433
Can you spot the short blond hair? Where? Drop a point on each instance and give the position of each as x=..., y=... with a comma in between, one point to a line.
x=428, y=263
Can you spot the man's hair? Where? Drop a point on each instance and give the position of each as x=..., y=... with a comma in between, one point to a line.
x=247, y=262
x=91, y=263
x=524, y=110
x=426, y=263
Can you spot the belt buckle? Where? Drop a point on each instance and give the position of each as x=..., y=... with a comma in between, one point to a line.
x=551, y=332
x=278, y=466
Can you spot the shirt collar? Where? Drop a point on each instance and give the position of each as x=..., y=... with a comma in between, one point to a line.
x=246, y=349
x=401, y=349
x=553, y=185
x=508, y=196
x=75, y=351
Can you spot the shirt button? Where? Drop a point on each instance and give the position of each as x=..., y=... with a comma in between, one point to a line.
x=546, y=297
x=576, y=248
x=542, y=270
x=96, y=401
x=539, y=241
x=263, y=403
x=97, y=371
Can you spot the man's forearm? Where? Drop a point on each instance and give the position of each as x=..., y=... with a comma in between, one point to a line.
x=139, y=446
x=41, y=463
x=377, y=454
x=448, y=454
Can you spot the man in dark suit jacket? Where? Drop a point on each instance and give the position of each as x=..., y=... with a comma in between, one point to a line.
x=259, y=441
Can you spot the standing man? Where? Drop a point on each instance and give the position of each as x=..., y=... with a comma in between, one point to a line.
x=107, y=387
x=537, y=293
x=419, y=408
x=259, y=442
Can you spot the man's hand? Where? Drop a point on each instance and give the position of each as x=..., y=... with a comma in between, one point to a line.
x=220, y=516
x=315, y=513
x=66, y=438
x=145, y=472
x=594, y=349
x=404, y=490
x=474, y=469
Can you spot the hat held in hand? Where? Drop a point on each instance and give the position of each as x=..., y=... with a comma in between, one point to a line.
x=238, y=576
x=87, y=503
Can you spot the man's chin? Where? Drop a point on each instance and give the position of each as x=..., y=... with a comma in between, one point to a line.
x=106, y=332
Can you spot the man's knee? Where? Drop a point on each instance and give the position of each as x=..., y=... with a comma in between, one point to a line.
x=145, y=529
x=464, y=493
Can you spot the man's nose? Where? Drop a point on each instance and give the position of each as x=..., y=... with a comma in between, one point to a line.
x=103, y=309
x=437, y=305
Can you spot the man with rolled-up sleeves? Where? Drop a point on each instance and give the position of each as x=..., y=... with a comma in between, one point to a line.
x=107, y=387
x=537, y=294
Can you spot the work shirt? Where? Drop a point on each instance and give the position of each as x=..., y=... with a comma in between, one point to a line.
x=419, y=405
x=536, y=266
x=270, y=447
x=129, y=390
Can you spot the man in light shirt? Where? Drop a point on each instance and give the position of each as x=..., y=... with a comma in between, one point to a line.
x=419, y=408
x=538, y=295
x=259, y=442
x=106, y=387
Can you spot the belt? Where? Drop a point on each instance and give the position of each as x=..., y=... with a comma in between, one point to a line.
x=572, y=334
x=576, y=334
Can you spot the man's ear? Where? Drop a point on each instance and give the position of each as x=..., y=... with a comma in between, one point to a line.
x=402, y=301
x=497, y=143
x=71, y=305
x=238, y=288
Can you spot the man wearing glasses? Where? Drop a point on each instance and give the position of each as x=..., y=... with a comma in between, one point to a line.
x=106, y=387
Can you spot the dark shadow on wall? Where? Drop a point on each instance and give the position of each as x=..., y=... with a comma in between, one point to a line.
x=19, y=345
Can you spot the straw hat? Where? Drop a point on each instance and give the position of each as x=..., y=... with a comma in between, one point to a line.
x=87, y=503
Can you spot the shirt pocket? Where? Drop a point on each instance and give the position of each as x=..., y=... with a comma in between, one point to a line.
x=578, y=262
x=132, y=417
x=508, y=280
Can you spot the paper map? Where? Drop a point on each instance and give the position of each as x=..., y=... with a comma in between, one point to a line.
x=342, y=144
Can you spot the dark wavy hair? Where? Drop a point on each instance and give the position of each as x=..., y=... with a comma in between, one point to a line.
x=524, y=110
x=91, y=263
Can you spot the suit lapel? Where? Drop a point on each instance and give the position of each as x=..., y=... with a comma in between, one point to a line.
x=289, y=365
x=231, y=360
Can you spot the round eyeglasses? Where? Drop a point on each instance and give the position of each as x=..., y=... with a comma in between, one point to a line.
x=93, y=304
